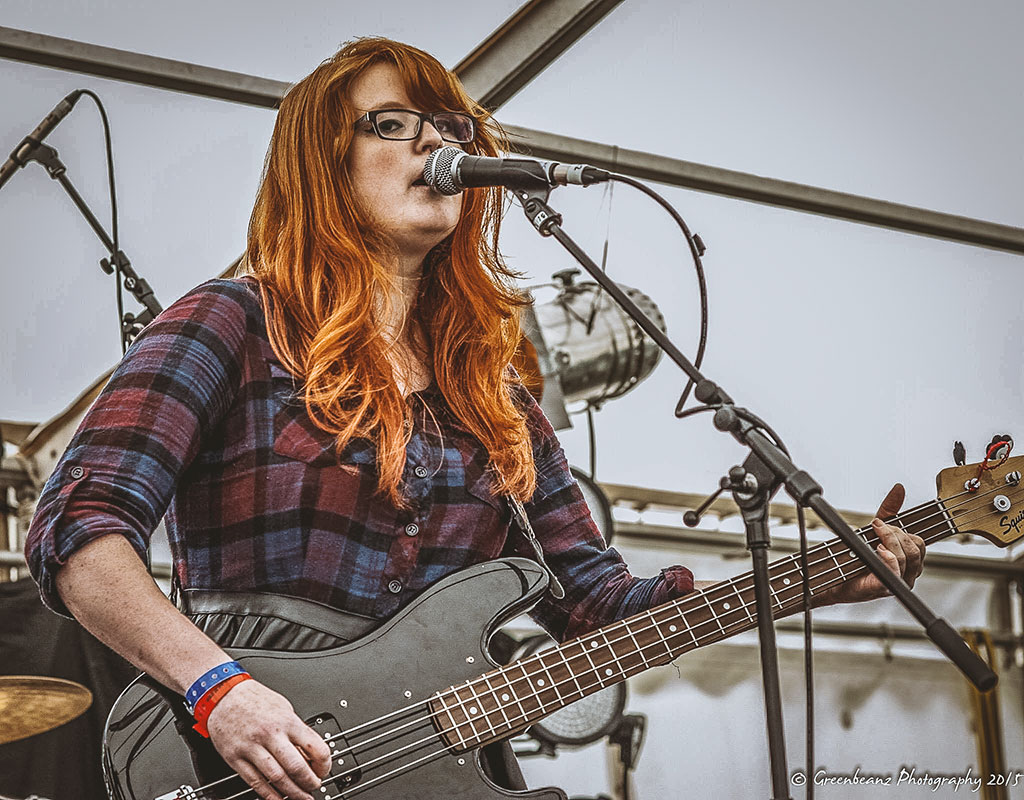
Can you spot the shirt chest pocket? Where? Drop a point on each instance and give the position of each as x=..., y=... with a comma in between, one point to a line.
x=479, y=482
x=297, y=438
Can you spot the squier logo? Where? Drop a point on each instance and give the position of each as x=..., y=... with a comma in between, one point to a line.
x=1012, y=524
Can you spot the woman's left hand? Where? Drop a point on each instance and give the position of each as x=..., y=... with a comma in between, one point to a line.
x=902, y=552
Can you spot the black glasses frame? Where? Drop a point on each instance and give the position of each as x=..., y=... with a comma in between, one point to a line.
x=371, y=117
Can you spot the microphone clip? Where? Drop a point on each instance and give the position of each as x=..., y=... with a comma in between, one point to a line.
x=535, y=205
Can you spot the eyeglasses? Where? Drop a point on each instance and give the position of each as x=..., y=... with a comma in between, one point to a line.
x=402, y=124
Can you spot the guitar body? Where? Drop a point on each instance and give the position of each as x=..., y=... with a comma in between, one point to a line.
x=371, y=694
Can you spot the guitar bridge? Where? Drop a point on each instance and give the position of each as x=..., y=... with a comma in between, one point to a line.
x=181, y=793
x=345, y=770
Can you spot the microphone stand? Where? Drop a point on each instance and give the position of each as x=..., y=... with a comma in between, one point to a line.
x=131, y=324
x=766, y=469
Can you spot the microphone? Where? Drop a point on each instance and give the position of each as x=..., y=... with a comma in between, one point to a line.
x=19, y=156
x=449, y=170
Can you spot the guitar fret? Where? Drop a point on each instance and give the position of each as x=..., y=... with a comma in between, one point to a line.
x=947, y=518
x=785, y=566
x=714, y=616
x=744, y=606
x=638, y=649
x=661, y=635
x=553, y=684
x=774, y=595
x=455, y=726
x=522, y=713
x=572, y=673
x=585, y=668
x=732, y=607
x=499, y=701
x=681, y=619
x=609, y=671
x=530, y=685
x=839, y=567
x=482, y=713
x=593, y=666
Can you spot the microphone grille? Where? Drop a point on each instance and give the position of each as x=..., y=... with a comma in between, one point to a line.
x=439, y=171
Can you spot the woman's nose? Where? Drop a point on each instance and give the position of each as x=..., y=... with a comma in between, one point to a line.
x=429, y=137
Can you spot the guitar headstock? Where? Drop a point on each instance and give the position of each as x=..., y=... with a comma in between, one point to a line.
x=988, y=502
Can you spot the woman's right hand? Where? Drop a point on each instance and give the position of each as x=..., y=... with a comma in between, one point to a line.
x=258, y=734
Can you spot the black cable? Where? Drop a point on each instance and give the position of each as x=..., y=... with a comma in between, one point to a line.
x=762, y=426
x=116, y=257
x=592, y=315
x=742, y=413
x=808, y=656
x=592, y=438
x=697, y=249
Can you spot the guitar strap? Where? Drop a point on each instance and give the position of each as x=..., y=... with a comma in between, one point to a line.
x=523, y=522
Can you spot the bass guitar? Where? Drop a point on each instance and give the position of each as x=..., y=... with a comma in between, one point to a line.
x=406, y=707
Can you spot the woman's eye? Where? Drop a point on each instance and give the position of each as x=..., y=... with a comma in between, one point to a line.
x=391, y=126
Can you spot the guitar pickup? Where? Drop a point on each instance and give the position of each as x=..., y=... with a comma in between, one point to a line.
x=345, y=770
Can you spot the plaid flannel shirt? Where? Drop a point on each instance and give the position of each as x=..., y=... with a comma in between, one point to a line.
x=202, y=422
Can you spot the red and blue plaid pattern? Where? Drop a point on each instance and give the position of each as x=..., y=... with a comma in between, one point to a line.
x=201, y=421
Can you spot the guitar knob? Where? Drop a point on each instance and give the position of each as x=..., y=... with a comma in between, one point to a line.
x=1001, y=502
x=1013, y=478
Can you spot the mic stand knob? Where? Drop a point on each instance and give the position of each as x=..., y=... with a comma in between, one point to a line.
x=739, y=481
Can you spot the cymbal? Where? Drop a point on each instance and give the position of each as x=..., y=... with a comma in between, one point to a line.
x=31, y=704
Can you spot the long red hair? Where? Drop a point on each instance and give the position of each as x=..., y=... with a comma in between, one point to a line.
x=318, y=258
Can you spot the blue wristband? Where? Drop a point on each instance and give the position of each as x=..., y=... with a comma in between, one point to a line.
x=209, y=680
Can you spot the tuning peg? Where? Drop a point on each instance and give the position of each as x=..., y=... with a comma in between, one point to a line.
x=1000, y=447
x=959, y=454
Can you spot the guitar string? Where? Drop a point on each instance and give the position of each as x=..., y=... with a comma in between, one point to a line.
x=411, y=765
x=437, y=754
x=823, y=547
x=785, y=597
x=716, y=589
x=469, y=722
x=785, y=604
x=820, y=547
x=789, y=604
x=713, y=589
x=361, y=746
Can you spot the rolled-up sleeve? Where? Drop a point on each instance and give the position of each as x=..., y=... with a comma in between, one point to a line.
x=599, y=588
x=119, y=472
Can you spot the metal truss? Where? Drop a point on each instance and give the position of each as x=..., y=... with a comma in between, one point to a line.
x=495, y=71
x=525, y=44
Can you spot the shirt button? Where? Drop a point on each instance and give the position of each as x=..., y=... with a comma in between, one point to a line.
x=77, y=472
x=421, y=472
x=395, y=587
x=412, y=529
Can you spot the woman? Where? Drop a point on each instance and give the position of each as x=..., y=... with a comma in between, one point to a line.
x=341, y=427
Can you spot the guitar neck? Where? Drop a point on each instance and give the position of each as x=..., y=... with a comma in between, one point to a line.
x=510, y=699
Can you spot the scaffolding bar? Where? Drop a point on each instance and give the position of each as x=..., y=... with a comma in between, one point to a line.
x=525, y=44
x=124, y=65
x=769, y=191
x=51, y=51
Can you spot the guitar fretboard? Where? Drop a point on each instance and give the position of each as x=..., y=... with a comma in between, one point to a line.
x=509, y=699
